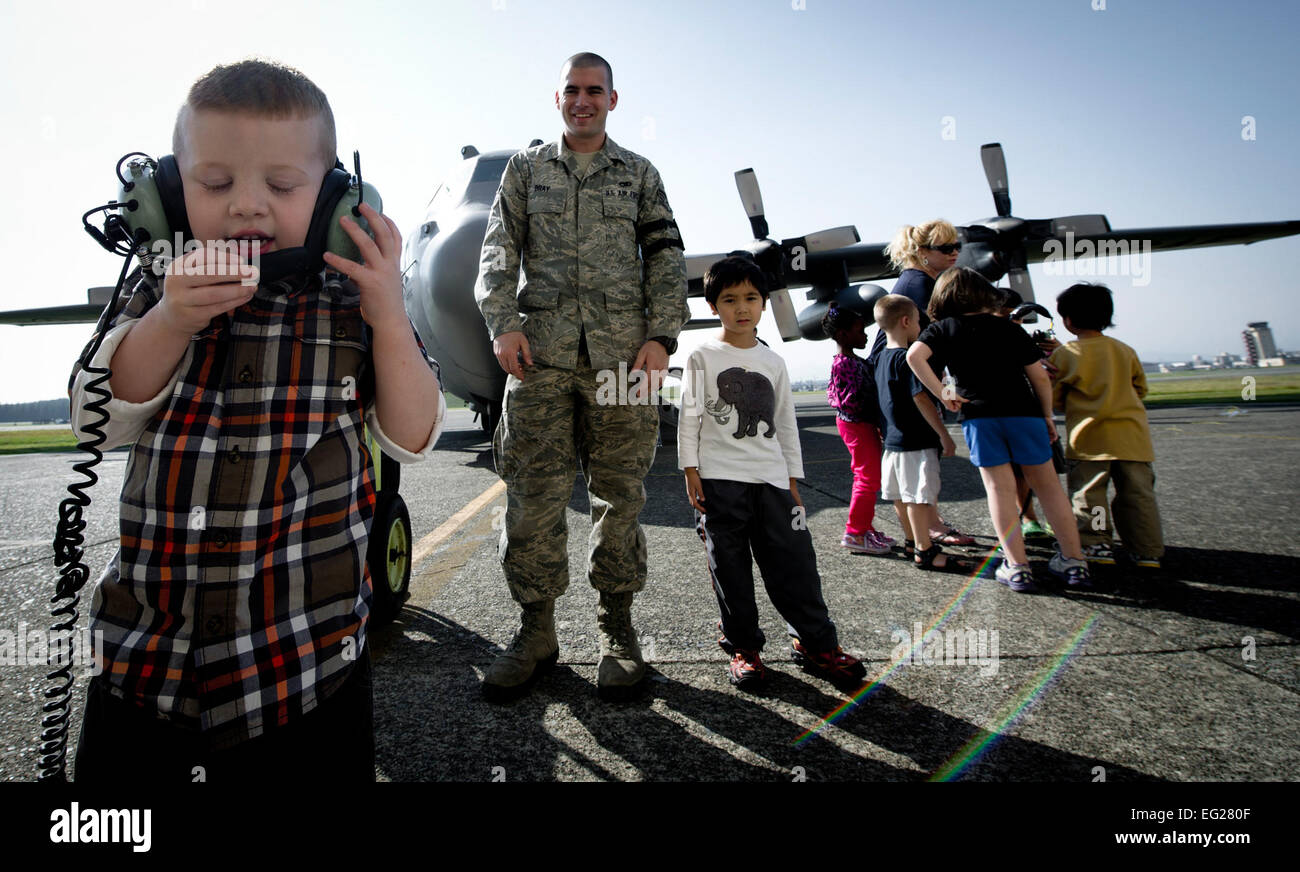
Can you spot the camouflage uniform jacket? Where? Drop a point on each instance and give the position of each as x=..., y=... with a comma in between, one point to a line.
x=600, y=255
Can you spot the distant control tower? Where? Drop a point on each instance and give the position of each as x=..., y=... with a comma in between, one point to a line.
x=1259, y=342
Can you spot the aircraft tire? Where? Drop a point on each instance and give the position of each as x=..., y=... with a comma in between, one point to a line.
x=389, y=556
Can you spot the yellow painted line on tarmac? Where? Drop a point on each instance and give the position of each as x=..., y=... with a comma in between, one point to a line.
x=430, y=543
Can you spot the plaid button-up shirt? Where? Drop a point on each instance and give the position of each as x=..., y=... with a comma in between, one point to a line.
x=239, y=596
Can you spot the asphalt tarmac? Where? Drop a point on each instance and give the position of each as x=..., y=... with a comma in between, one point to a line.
x=1189, y=673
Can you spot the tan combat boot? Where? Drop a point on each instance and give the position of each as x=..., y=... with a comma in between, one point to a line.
x=532, y=653
x=621, y=668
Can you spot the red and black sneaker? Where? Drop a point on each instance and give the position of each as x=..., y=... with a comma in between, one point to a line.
x=835, y=666
x=746, y=670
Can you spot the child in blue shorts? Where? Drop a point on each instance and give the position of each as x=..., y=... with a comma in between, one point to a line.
x=1005, y=399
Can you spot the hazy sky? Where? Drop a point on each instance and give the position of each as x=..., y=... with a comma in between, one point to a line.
x=1135, y=110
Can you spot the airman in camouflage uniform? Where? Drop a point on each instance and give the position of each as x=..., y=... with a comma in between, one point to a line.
x=603, y=283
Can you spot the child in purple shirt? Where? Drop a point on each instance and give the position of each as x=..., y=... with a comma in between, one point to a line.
x=852, y=393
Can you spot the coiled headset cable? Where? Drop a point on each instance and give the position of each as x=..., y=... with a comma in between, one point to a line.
x=69, y=536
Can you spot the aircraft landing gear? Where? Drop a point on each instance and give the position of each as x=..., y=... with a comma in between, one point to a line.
x=389, y=556
x=389, y=552
x=488, y=416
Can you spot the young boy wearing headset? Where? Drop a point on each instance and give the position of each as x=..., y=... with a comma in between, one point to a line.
x=234, y=613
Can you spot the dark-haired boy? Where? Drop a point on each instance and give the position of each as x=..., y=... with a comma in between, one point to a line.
x=1099, y=384
x=234, y=613
x=738, y=445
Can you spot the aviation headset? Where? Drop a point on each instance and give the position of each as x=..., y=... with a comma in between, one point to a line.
x=151, y=206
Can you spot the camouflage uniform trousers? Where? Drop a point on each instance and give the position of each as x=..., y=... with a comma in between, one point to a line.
x=549, y=420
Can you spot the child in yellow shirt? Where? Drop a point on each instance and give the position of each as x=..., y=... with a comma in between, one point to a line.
x=1099, y=384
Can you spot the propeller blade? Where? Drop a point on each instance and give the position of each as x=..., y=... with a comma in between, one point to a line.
x=995, y=170
x=702, y=323
x=1080, y=225
x=787, y=320
x=1020, y=283
x=698, y=264
x=824, y=240
x=752, y=198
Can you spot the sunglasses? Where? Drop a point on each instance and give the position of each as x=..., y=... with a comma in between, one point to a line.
x=950, y=248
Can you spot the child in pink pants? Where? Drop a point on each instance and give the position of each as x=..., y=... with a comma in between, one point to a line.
x=852, y=393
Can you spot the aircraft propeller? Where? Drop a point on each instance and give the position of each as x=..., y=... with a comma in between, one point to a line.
x=777, y=260
x=997, y=246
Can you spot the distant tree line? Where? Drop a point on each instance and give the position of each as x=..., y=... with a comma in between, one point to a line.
x=43, y=412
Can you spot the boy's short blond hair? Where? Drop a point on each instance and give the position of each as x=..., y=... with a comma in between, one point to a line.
x=263, y=89
x=892, y=308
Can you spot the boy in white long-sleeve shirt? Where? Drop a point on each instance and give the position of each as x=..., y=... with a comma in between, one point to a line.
x=739, y=446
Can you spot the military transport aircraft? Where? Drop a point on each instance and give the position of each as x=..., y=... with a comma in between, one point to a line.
x=440, y=262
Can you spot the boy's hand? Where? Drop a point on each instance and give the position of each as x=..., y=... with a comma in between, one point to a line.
x=949, y=447
x=694, y=490
x=379, y=278
x=794, y=492
x=203, y=284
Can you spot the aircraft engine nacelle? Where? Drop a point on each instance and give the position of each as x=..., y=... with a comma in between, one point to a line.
x=986, y=261
x=861, y=298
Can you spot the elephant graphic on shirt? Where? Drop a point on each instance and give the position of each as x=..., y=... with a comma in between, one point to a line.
x=753, y=398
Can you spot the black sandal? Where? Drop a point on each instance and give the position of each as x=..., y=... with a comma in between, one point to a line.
x=925, y=560
x=909, y=548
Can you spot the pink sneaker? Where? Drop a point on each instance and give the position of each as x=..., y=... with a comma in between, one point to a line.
x=880, y=538
x=863, y=544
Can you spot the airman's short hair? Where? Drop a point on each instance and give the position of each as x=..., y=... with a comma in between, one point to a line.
x=586, y=60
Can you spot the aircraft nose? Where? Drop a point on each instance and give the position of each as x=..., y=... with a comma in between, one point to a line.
x=447, y=274
x=450, y=268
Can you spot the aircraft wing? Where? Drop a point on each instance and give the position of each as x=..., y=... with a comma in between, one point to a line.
x=1169, y=238
x=833, y=269
x=867, y=261
x=83, y=313
x=79, y=313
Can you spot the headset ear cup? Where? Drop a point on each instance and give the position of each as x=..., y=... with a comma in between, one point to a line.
x=338, y=241
x=172, y=193
x=332, y=191
x=147, y=214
